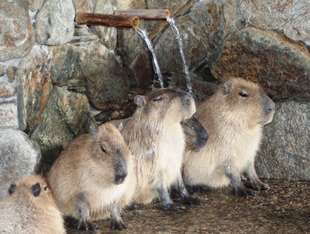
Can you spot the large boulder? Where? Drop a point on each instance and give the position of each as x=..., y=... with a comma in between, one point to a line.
x=19, y=156
x=284, y=153
x=16, y=35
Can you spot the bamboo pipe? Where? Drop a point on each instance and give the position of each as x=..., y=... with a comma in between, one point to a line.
x=107, y=20
x=145, y=13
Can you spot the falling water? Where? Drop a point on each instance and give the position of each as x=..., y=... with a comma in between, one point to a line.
x=148, y=42
x=179, y=39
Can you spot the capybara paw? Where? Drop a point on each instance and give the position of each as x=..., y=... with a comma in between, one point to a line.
x=245, y=192
x=172, y=206
x=87, y=226
x=118, y=225
x=190, y=200
x=261, y=186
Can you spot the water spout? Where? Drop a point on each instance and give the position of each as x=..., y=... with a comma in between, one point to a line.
x=148, y=42
x=180, y=41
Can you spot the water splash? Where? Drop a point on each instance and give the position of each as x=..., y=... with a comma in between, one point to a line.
x=180, y=41
x=148, y=42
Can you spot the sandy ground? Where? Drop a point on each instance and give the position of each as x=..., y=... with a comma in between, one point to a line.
x=283, y=209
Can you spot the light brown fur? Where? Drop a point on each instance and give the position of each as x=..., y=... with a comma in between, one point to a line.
x=155, y=137
x=83, y=178
x=30, y=208
x=233, y=117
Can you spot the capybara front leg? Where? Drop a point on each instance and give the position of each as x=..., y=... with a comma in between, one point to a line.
x=255, y=181
x=116, y=220
x=187, y=198
x=235, y=179
x=165, y=199
x=84, y=219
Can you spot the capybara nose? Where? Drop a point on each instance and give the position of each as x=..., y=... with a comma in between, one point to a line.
x=271, y=107
x=204, y=136
x=120, y=178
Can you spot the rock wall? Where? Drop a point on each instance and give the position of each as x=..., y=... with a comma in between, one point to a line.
x=55, y=74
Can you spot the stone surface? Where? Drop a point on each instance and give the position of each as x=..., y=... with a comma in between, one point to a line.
x=83, y=5
x=280, y=65
x=33, y=87
x=107, y=35
x=298, y=28
x=16, y=34
x=285, y=149
x=19, y=156
x=66, y=116
x=35, y=4
x=6, y=90
x=2, y=72
x=8, y=113
x=106, y=80
x=10, y=73
x=55, y=22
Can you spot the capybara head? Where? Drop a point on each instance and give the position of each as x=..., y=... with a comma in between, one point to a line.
x=246, y=101
x=111, y=151
x=34, y=186
x=156, y=104
x=195, y=134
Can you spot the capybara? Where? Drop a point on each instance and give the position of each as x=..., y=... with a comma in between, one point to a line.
x=30, y=208
x=195, y=134
x=156, y=138
x=234, y=118
x=90, y=178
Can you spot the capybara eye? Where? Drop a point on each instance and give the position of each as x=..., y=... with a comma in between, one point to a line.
x=243, y=94
x=103, y=150
x=158, y=99
x=45, y=188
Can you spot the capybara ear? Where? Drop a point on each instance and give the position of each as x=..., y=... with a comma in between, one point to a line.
x=12, y=188
x=139, y=100
x=36, y=189
x=93, y=129
x=227, y=87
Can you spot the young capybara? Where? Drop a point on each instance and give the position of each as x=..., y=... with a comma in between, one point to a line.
x=30, y=208
x=234, y=118
x=156, y=138
x=91, y=176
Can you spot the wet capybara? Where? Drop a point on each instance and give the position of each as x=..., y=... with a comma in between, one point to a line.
x=234, y=118
x=155, y=136
x=30, y=208
x=90, y=178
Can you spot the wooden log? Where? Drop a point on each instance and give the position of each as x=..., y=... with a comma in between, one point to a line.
x=107, y=20
x=145, y=13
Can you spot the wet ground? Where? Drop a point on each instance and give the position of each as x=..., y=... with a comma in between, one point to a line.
x=283, y=209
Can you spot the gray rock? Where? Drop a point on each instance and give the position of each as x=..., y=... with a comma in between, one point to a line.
x=8, y=113
x=298, y=28
x=285, y=149
x=34, y=86
x=106, y=80
x=16, y=34
x=35, y=4
x=10, y=73
x=19, y=156
x=107, y=35
x=55, y=22
x=6, y=90
x=83, y=5
x=2, y=72
x=66, y=116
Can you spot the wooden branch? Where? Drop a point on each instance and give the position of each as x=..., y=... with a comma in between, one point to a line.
x=107, y=20
x=145, y=13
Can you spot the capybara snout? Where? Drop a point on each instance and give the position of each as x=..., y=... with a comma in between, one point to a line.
x=120, y=169
x=269, y=109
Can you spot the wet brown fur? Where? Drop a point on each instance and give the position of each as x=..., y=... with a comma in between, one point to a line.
x=30, y=211
x=83, y=177
x=233, y=117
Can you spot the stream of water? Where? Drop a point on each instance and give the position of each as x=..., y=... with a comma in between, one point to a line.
x=180, y=42
x=148, y=42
